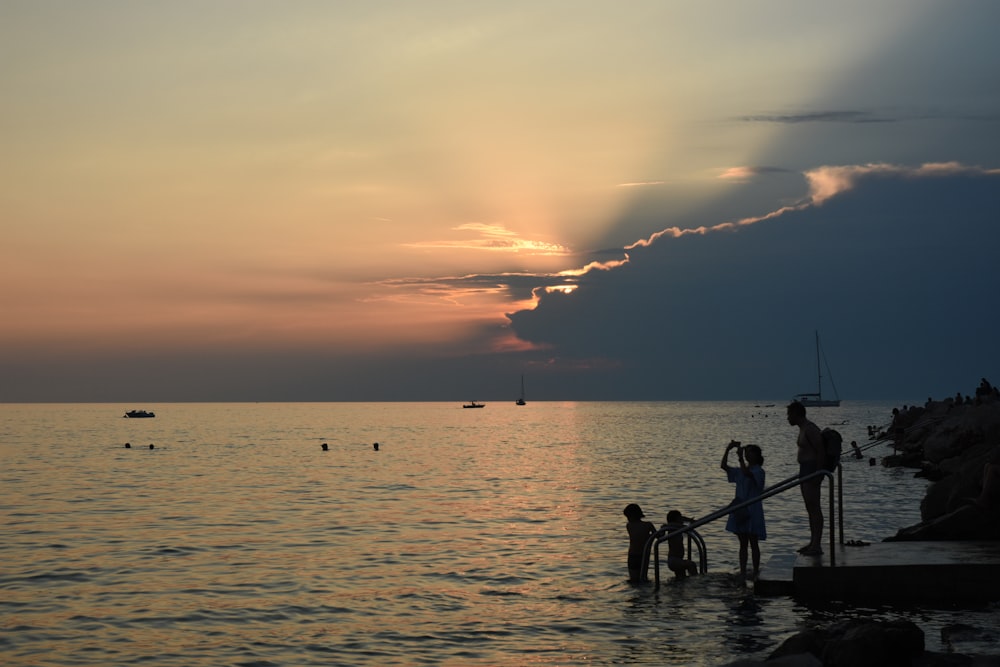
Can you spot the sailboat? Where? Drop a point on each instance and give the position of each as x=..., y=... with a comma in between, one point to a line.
x=521, y=400
x=816, y=400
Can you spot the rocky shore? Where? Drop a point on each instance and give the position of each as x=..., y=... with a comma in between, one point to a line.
x=955, y=442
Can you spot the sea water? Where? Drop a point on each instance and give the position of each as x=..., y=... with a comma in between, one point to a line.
x=492, y=536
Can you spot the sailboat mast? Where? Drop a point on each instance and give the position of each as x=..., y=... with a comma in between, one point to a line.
x=817, y=398
x=819, y=372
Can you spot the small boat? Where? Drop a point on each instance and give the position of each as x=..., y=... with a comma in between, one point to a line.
x=521, y=400
x=816, y=400
x=473, y=404
x=138, y=414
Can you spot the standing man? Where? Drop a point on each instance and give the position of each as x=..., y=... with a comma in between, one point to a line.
x=810, y=458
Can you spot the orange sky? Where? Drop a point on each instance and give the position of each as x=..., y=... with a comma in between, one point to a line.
x=257, y=174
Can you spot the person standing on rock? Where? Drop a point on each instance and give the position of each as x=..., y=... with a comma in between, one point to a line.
x=810, y=457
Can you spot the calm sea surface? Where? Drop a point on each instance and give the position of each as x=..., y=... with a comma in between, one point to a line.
x=472, y=537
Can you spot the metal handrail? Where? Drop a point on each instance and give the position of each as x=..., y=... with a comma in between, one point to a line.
x=693, y=537
x=652, y=544
x=664, y=534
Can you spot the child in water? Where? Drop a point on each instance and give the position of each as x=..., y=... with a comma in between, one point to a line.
x=676, y=561
x=638, y=533
x=747, y=523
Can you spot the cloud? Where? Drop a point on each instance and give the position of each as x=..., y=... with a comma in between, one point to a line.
x=639, y=184
x=493, y=238
x=515, y=282
x=826, y=182
x=596, y=266
x=677, y=232
x=833, y=116
x=859, y=117
x=745, y=173
x=880, y=257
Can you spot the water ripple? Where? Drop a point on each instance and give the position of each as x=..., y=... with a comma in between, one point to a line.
x=492, y=540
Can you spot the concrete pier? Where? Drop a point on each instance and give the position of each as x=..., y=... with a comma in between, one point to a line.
x=889, y=571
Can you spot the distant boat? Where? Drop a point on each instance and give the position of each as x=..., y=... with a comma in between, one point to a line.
x=816, y=400
x=521, y=400
x=473, y=404
x=138, y=414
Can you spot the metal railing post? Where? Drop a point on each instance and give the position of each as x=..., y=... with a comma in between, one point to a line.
x=840, y=500
x=833, y=530
x=653, y=543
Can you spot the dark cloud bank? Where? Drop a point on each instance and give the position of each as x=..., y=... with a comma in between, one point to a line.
x=898, y=275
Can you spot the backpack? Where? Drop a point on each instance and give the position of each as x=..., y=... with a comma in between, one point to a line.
x=832, y=441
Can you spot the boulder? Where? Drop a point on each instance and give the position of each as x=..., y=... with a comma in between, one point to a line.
x=793, y=660
x=966, y=523
x=853, y=644
x=883, y=644
x=806, y=642
x=950, y=444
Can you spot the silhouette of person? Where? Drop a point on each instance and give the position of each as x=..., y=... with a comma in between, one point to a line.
x=375, y=446
x=326, y=447
x=676, y=560
x=747, y=523
x=128, y=445
x=151, y=445
x=810, y=457
x=638, y=533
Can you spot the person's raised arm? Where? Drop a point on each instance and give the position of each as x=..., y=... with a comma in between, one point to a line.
x=743, y=464
x=725, y=455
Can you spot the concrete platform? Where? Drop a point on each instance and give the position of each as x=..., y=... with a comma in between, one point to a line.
x=889, y=571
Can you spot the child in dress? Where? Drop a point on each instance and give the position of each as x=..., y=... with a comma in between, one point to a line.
x=638, y=533
x=747, y=523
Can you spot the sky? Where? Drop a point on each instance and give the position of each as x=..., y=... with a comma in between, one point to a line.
x=239, y=200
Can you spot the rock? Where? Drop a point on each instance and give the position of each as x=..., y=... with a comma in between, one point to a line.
x=797, y=660
x=930, y=659
x=807, y=641
x=931, y=471
x=889, y=644
x=966, y=523
x=950, y=442
x=792, y=660
x=904, y=460
x=853, y=644
x=943, y=442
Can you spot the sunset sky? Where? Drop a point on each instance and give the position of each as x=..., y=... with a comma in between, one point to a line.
x=384, y=200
